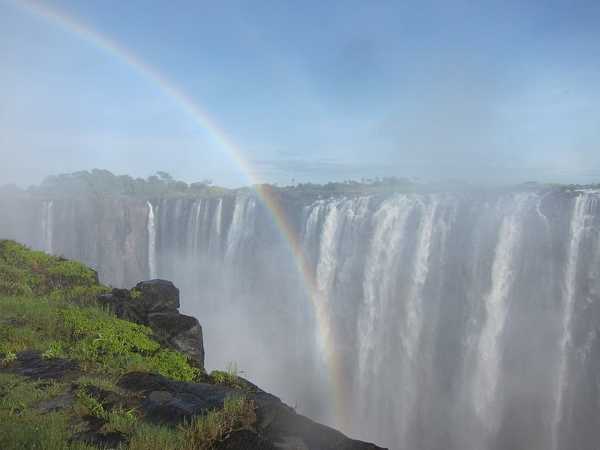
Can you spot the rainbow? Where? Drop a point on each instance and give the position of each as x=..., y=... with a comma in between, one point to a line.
x=265, y=193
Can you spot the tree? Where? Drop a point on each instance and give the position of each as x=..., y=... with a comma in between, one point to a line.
x=164, y=176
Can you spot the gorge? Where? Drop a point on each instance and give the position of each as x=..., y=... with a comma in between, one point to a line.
x=460, y=319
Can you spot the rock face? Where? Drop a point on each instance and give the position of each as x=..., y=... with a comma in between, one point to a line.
x=278, y=425
x=155, y=303
x=32, y=365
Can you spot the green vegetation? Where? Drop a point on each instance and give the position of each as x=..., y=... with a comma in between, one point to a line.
x=162, y=185
x=24, y=272
x=237, y=413
x=228, y=377
x=95, y=338
x=104, y=182
x=47, y=304
x=23, y=426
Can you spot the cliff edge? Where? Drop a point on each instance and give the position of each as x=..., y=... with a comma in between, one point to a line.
x=83, y=366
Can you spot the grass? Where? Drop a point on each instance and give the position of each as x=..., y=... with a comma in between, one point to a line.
x=24, y=272
x=199, y=434
x=95, y=338
x=237, y=413
x=22, y=426
x=48, y=304
x=228, y=377
x=156, y=437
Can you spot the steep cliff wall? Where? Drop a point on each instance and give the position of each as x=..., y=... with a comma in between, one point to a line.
x=464, y=320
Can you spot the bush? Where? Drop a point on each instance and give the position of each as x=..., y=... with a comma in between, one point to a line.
x=237, y=413
x=228, y=377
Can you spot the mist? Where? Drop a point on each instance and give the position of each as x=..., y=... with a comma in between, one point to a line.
x=434, y=175
x=460, y=318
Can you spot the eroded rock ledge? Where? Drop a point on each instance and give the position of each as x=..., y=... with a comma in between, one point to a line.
x=155, y=303
x=277, y=427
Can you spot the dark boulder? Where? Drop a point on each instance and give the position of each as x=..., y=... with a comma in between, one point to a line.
x=181, y=332
x=108, y=399
x=56, y=403
x=155, y=304
x=32, y=365
x=168, y=401
x=158, y=296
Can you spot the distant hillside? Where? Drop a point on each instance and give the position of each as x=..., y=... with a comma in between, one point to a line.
x=163, y=185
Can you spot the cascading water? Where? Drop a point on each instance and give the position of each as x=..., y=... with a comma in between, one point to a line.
x=576, y=230
x=460, y=321
x=151, y=242
x=495, y=303
x=47, y=226
x=413, y=313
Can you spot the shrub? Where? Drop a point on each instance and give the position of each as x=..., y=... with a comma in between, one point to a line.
x=237, y=413
x=173, y=365
x=92, y=406
x=229, y=377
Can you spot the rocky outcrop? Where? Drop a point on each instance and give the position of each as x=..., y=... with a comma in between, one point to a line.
x=33, y=365
x=155, y=303
x=278, y=426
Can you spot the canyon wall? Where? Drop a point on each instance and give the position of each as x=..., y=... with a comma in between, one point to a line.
x=460, y=320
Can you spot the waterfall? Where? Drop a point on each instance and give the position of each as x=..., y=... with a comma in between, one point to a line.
x=214, y=243
x=48, y=226
x=458, y=320
x=328, y=250
x=410, y=328
x=379, y=287
x=390, y=221
x=489, y=351
x=151, y=228
x=242, y=226
x=577, y=227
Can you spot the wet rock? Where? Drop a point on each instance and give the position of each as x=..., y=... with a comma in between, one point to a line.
x=108, y=399
x=32, y=365
x=158, y=295
x=281, y=425
x=181, y=332
x=167, y=401
x=278, y=425
x=57, y=403
x=155, y=304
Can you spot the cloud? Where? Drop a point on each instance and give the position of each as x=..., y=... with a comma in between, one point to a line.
x=319, y=169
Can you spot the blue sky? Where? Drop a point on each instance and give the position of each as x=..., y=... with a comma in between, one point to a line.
x=488, y=91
